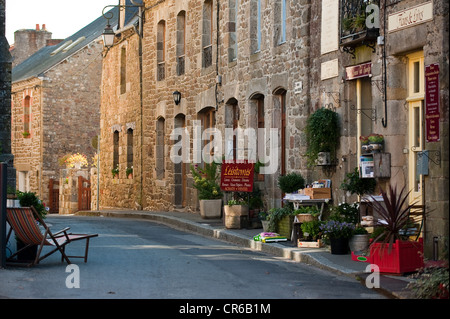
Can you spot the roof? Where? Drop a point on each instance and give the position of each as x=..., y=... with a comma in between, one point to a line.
x=47, y=57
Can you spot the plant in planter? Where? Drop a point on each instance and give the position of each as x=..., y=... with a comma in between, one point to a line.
x=376, y=142
x=291, y=182
x=209, y=192
x=129, y=171
x=345, y=212
x=322, y=135
x=307, y=213
x=311, y=230
x=338, y=233
x=236, y=213
x=401, y=255
x=281, y=221
x=360, y=240
x=354, y=184
x=364, y=140
x=115, y=171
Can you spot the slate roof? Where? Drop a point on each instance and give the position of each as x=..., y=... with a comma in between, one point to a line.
x=43, y=60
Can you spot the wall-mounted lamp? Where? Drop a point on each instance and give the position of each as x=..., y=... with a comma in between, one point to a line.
x=176, y=97
x=108, y=34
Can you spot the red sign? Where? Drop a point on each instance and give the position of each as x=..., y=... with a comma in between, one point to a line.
x=432, y=115
x=358, y=71
x=237, y=177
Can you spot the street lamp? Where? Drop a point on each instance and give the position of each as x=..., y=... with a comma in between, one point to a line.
x=176, y=97
x=108, y=34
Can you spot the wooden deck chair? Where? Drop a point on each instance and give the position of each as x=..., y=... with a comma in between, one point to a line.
x=24, y=221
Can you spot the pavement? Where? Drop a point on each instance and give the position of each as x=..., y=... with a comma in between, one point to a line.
x=392, y=286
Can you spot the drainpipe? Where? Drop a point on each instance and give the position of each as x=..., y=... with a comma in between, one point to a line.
x=384, y=120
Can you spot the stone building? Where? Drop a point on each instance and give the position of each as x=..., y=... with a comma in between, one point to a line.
x=55, y=103
x=29, y=41
x=270, y=64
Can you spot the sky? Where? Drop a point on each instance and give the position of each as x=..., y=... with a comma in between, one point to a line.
x=61, y=17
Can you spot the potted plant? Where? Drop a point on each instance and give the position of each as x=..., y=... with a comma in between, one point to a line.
x=209, y=192
x=29, y=199
x=359, y=242
x=322, y=135
x=25, y=134
x=364, y=140
x=115, y=171
x=392, y=252
x=307, y=213
x=338, y=233
x=129, y=171
x=375, y=142
x=281, y=221
x=291, y=182
x=311, y=234
x=354, y=184
x=236, y=214
x=264, y=221
x=345, y=212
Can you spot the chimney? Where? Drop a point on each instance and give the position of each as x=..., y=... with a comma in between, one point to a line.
x=43, y=28
x=37, y=26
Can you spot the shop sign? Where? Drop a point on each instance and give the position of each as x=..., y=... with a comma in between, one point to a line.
x=358, y=71
x=432, y=115
x=410, y=17
x=237, y=176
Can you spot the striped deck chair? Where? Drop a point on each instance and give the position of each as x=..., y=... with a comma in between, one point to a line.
x=23, y=221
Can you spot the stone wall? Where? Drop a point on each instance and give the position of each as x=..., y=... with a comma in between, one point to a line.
x=68, y=189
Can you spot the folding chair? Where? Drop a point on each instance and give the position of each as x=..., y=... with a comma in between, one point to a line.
x=24, y=221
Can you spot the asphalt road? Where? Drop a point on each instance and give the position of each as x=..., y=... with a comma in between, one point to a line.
x=138, y=259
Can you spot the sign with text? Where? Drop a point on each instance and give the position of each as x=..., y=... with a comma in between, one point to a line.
x=358, y=71
x=432, y=114
x=237, y=176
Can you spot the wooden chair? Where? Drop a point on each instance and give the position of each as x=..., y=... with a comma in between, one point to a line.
x=24, y=221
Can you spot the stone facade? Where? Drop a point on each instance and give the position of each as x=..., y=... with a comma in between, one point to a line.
x=271, y=73
x=62, y=108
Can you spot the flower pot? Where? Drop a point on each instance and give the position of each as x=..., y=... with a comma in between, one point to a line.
x=303, y=218
x=265, y=225
x=359, y=242
x=284, y=226
x=210, y=208
x=236, y=216
x=405, y=256
x=339, y=246
x=323, y=158
x=375, y=147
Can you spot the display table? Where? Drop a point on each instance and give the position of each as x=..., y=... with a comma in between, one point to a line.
x=303, y=200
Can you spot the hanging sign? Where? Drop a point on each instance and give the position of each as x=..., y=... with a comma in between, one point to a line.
x=358, y=71
x=237, y=176
x=432, y=115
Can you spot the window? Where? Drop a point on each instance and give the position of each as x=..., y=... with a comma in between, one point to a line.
x=116, y=150
x=181, y=41
x=123, y=70
x=255, y=26
x=160, y=148
x=207, y=33
x=232, y=122
x=280, y=108
x=130, y=148
x=161, y=50
x=232, y=30
x=208, y=121
x=26, y=116
x=280, y=22
x=416, y=92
